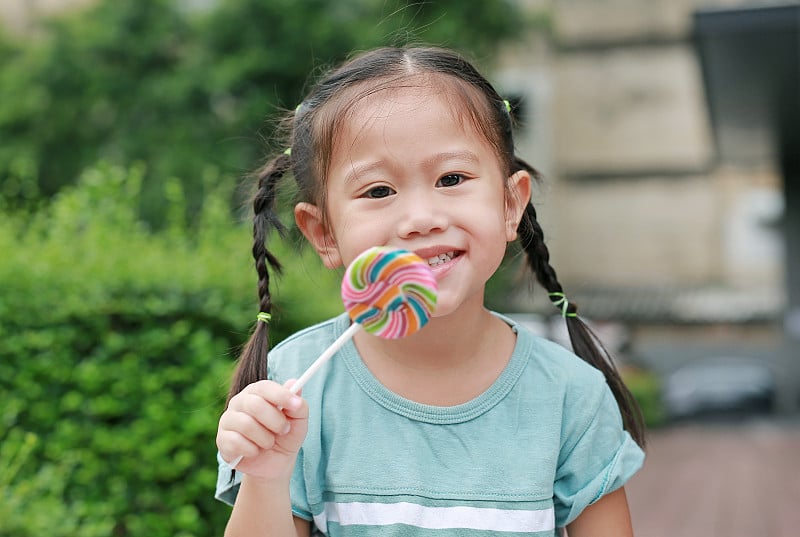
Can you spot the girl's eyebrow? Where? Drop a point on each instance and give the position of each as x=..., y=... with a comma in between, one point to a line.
x=357, y=170
x=430, y=162
x=462, y=155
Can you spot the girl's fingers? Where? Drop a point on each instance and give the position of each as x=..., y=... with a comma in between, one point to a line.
x=263, y=412
x=278, y=396
x=254, y=430
x=274, y=393
x=260, y=413
x=295, y=407
x=232, y=444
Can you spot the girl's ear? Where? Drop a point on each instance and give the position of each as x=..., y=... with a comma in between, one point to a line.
x=309, y=220
x=519, y=194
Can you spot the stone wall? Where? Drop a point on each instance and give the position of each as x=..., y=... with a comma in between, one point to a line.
x=615, y=116
x=618, y=120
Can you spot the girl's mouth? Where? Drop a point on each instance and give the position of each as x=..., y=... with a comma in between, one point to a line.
x=443, y=258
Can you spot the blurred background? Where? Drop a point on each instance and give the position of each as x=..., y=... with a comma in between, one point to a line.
x=667, y=133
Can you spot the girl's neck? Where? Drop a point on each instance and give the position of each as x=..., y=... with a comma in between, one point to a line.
x=451, y=361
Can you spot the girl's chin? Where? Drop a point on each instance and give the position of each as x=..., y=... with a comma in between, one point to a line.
x=443, y=309
x=448, y=305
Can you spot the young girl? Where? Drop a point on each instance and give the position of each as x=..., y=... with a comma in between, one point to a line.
x=472, y=426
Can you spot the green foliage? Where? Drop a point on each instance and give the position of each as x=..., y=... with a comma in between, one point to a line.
x=116, y=348
x=33, y=502
x=117, y=332
x=645, y=387
x=184, y=89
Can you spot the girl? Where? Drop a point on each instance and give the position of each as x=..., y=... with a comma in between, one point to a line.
x=472, y=426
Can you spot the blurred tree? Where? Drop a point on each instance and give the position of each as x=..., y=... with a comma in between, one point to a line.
x=186, y=89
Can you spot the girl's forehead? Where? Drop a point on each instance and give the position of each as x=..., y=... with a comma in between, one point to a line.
x=388, y=103
x=406, y=102
x=343, y=122
x=408, y=128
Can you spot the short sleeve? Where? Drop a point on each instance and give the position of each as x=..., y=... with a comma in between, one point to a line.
x=598, y=456
x=289, y=359
x=297, y=490
x=228, y=481
x=297, y=486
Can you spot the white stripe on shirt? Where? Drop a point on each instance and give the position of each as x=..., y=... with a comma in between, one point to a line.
x=437, y=518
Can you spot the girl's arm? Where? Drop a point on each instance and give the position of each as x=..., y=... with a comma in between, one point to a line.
x=608, y=517
x=266, y=424
x=264, y=509
x=302, y=527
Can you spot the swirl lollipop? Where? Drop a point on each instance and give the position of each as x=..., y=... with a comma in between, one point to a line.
x=386, y=291
x=390, y=292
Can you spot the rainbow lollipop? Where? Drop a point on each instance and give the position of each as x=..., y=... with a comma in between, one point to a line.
x=386, y=291
x=390, y=292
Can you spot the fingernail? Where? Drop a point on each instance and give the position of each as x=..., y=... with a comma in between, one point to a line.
x=295, y=402
x=287, y=428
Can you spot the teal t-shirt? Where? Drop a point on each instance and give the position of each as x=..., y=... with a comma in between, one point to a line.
x=523, y=458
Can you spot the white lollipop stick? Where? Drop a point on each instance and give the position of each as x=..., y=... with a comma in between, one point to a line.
x=324, y=357
x=314, y=367
x=403, y=278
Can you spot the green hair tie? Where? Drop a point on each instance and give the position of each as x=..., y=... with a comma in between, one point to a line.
x=264, y=317
x=508, y=105
x=288, y=151
x=560, y=301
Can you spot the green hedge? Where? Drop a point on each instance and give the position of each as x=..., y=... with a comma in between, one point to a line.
x=183, y=86
x=116, y=349
x=645, y=386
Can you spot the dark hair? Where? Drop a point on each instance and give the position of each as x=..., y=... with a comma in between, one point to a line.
x=311, y=132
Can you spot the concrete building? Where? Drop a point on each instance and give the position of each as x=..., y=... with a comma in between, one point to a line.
x=658, y=213
x=636, y=198
x=655, y=215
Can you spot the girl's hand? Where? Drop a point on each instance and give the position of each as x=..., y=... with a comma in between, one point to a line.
x=266, y=424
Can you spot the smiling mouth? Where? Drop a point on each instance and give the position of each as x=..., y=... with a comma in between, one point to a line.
x=441, y=259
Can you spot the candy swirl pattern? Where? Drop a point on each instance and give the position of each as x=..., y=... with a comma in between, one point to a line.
x=390, y=292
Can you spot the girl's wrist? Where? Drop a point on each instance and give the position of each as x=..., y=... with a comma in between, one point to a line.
x=266, y=484
x=263, y=507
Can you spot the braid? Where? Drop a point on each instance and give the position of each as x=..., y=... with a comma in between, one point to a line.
x=532, y=238
x=584, y=342
x=253, y=360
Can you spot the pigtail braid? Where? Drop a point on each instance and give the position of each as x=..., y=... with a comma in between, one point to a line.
x=584, y=342
x=253, y=360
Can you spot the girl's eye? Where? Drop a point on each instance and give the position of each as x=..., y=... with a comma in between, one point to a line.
x=378, y=192
x=452, y=179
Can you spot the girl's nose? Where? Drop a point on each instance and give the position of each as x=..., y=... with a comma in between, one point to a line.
x=421, y=216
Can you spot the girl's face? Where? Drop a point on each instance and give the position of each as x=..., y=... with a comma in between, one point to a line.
x=407, y=172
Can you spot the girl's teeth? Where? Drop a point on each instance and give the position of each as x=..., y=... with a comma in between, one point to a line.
x=440, y=259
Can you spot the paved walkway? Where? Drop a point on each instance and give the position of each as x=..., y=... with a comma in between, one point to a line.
x=713, y=480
